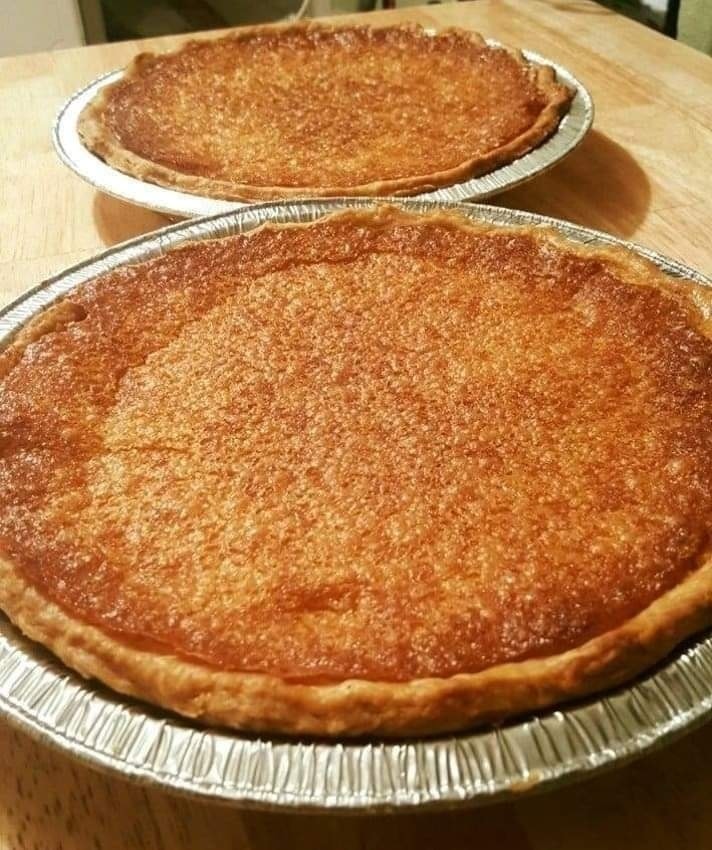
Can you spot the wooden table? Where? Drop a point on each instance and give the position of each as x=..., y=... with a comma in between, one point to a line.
x=644, y=173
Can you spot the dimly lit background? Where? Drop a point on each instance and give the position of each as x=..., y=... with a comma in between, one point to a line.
x=34, y=25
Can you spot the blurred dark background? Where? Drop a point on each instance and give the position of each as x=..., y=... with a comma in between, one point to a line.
x=34, y=25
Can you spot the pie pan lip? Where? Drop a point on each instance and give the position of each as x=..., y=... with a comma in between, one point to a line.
x=179, y=204
x=111, y=732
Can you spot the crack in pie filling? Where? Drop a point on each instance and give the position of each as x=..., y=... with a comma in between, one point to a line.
x=318, y=110
x=381, y=473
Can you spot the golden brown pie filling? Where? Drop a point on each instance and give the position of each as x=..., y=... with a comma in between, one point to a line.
x=324, y=110
x=377, y=447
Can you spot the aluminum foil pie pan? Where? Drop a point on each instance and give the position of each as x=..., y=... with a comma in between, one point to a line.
x=109, y=731
x=176, y=204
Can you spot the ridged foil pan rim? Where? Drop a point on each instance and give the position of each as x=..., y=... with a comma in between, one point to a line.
x=114, y=733
x=175, y=203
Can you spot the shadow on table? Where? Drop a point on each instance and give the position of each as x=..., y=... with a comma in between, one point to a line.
x=117, y=220
x=494, y=828
x=599, y=185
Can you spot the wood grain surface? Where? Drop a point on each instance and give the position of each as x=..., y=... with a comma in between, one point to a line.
x=643, y=173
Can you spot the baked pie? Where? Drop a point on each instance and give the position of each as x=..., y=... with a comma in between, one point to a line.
x=317, y=110
x=381, y=473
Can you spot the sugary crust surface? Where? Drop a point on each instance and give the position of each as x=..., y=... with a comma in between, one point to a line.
x=401, y=112
x=423, y=704
x=263, y=703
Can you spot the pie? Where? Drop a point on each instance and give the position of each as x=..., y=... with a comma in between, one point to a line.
x=317, y=110
x=382, y=473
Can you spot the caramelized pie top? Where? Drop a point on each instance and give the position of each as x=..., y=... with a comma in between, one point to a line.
x=378, y=446
x=324, y=110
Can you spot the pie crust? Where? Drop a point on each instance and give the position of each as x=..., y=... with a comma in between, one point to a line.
x=372, y=122
x=143, y=666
